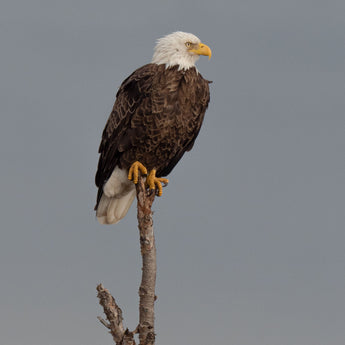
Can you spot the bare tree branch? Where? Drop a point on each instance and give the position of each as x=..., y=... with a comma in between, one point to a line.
x=113, y=313
x=148, y=253
x=147, y=295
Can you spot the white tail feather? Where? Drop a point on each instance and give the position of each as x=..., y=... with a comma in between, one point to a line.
x=111, y=210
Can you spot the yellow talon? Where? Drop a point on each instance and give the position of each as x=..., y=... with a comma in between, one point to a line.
x=154, y=182
x=133, y=173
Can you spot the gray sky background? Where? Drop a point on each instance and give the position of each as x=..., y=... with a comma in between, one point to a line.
x=250, y=230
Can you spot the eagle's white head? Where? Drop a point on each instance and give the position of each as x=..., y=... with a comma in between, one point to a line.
x=179, y=48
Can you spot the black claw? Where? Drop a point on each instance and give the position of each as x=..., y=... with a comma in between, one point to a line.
x=151, y=191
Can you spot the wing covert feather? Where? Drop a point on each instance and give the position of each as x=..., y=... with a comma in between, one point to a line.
x=116, y=136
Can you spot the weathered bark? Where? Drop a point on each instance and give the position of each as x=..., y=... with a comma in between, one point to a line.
x=148, y=253
x=147, y=295
x=114, y=316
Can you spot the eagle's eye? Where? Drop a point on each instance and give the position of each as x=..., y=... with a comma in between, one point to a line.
x=188, y=44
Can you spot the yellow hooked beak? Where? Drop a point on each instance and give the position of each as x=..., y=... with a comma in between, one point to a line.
x=202, y=49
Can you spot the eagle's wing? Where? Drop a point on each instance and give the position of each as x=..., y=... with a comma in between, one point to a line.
x=115, y=137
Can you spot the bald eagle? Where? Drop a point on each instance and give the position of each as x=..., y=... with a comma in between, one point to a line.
x=156, y=118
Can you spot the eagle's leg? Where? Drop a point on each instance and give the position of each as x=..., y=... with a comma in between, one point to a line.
x=154, y=182
x=133, y=173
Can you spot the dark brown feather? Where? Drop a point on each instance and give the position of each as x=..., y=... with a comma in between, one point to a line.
x=156, y=118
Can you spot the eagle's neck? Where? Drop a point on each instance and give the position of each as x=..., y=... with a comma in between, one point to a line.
x=174, y=58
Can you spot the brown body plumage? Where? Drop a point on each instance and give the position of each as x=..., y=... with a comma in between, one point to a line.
x=156, y=117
